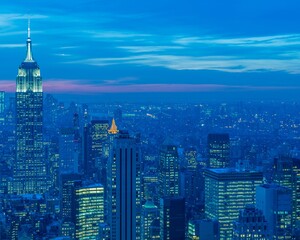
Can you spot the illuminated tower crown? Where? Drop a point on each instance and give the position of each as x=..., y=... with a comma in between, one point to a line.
x=113, y=129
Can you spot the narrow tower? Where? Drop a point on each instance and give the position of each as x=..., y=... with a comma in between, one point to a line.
x=29, y=168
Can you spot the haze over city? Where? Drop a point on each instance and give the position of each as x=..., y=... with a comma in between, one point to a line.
x=149, y=120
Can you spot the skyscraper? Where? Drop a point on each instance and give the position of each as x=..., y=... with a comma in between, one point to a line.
x=96, y=147
x=89, y=211
x=172, y=218
x=226, y=192
x=29, y=169
x=149, y=214
x=218, y=150
x=168, y=170
x=67, y=154
x=276, y=204
x=124, y=189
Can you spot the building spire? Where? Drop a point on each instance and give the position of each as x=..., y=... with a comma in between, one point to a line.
x=113, y=129
x=28, y=29
x=29, y=57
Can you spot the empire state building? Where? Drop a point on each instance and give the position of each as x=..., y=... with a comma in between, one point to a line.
x=29, y=170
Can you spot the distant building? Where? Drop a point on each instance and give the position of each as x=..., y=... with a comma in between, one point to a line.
x=96, y=148
x=251, y=224
x=276, y=204
x=218, y=146
x=68, y=160
x=168, y=170
x=2, y=102
x=123, y=188
x=172, y=218
x=226, y=192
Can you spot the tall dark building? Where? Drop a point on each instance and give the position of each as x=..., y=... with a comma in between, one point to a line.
x=168, y=170
x=29, y=168
x=218, y=150
x=172, y=218
x=96, y=148
x=123, y=189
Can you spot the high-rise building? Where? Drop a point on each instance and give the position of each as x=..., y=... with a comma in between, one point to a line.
x=2, y=108
x=218, y=150
x=29, y=169
x=276, y=204
x=2, y=102
x=287, y=174
x=251, y=224
x=96, y=148
x=172, y=218
x=226, y=192
x=192, y=180
x=124, y=188
x=149, y=213
x=67, y=154
x=99, y=141
x=168, y=170
x=68, y=184
x=89, y=201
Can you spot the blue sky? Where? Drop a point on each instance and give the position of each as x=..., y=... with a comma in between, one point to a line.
x=132, y=46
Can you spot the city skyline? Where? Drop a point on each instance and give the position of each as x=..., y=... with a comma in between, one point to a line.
x=251, y=49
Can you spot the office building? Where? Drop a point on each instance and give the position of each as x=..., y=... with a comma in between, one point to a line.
x=251, y=224
x=276, y=204
x=67, y=154
x=168, y=170
x=226, y=192
x=124, y=188
x=172, y=218
x=287, y=174
x=89, y=201
x=218, y=146
x=149, y=214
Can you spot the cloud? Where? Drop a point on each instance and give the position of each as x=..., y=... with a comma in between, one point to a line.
x=80, y=86
x=262, y=41
x=219, y=63
x=11, y=45
x=142, y=49
x=7, y=19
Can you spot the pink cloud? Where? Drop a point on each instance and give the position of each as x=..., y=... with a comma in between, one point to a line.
x=83, y=86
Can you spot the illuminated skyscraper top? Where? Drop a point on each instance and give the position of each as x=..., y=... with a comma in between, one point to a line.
x=29, y=75
x=113, y=129
x=29, y=167
x=29, y=57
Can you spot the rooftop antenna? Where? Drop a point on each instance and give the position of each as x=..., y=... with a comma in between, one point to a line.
x=28, y=29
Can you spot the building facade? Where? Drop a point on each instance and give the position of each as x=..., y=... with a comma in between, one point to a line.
x=29, y=169
x=218, y=146
x=123, y=188
x=251, y=225
x=276, y=204
x=226, y=192
x=89, y=201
